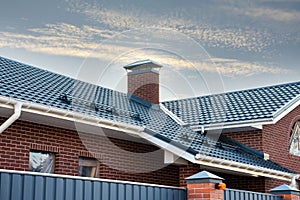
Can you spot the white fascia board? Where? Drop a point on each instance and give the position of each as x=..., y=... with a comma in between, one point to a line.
x=72, y=116
x=255, y=124
x=170, y=158
x=258, y=124
x=96, y=121
x=218, y=163
x=294, y=103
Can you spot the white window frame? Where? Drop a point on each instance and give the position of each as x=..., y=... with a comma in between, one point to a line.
x=294, y=146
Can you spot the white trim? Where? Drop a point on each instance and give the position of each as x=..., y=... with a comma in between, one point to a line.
x=258, y=124
x=13, y=118
x=170, y=158
x=96, y=121
x=172, y=115
x=72, y=116
x=219, y=163
x=278, y=115
x=85, y=178
x=241, y=167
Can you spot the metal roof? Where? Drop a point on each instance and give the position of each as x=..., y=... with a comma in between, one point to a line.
x=239, y=106
x=25, y=82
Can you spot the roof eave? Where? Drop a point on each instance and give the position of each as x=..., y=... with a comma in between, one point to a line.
x=282, y=112
x=50, y=111
x=217, y=162
x=96, y=121
x=238, y=124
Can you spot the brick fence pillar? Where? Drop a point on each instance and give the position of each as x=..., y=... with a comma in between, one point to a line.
x=204, y=185
x=287, y=192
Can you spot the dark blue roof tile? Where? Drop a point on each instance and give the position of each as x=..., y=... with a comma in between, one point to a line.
x=246, y=105
x=32, y=84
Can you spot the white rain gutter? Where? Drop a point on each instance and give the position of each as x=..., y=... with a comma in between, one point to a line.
x=291, y=105
x=293, y=181
x=13, y=118
x=50, y=111
x=294, y=103
x=253, y=123
x=217, y=162
x=241, y=167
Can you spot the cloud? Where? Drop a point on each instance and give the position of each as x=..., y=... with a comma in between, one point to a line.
x=69, y=40
x=264, y=13
x=244, y=39
x=234, y=67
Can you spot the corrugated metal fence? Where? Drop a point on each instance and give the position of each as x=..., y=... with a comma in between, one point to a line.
x=231, y=194
x=33, y=186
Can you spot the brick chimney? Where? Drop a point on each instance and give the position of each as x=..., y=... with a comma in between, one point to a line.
x=143, y=80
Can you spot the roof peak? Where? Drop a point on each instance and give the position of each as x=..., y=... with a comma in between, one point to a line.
x=239, y=91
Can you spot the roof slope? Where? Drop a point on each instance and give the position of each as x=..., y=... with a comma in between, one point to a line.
x=32, y=84
x=246, y=105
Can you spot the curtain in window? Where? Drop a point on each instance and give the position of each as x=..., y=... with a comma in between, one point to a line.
x=295, y=140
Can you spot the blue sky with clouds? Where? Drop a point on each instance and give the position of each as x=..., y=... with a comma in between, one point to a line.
x=204, y=46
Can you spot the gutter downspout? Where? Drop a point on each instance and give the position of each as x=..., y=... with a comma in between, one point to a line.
x=70, y=115
x=13, y=118
x=293, y=181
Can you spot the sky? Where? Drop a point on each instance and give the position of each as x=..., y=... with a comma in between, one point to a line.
x=205, y=47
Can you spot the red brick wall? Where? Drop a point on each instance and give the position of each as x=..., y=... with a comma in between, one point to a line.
x=249, y=183
x=17, y=141
x=273, y=140
x=276, y=139
x=186, y=171
x=145, y=86
x=252, y=139
x=272, y=183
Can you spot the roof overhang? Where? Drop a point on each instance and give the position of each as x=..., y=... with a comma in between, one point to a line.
x=37, y=112
x=47, y=115
x=246, y=124
x=220, y=164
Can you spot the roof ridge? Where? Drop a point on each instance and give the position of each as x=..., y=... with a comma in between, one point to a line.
x=78, y=81
x=69, y=77
x=236, y=91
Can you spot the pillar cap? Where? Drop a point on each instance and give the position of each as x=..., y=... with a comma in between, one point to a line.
x=204, y=177
x=285, y=189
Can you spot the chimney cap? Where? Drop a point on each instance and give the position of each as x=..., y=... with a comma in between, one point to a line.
x=142, y=64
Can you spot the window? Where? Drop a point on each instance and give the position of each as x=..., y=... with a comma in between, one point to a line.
x=88, y=167
x=41, y=162
x=295, y=139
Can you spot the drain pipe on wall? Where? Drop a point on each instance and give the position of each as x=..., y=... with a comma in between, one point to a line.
x=13, y=118
x=293, y=181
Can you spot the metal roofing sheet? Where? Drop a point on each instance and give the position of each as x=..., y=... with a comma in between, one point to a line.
x=32, y=84
x=246, y=105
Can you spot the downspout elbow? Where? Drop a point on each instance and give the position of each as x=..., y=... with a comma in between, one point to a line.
x=13, y=118
x=293, y=181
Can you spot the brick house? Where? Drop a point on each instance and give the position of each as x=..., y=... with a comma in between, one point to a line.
x=55, y=124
